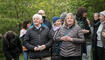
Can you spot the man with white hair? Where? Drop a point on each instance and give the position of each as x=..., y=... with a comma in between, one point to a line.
x=46, y=22
x=38, y=40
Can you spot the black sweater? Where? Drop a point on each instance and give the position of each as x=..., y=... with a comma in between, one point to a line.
x=12, y=50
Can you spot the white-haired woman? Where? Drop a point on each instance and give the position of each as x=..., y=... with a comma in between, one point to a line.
x=71, y=36
x=101, y=37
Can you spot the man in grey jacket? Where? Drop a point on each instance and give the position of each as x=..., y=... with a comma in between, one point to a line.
x=38, y=40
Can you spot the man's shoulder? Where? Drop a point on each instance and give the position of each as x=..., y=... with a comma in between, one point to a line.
x=45, y=28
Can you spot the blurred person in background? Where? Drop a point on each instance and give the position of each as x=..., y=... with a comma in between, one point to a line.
x=11, y=46
x=46, y=22
x=83, y=23
x=25, y=26
x=101, y=38
x=94, y=27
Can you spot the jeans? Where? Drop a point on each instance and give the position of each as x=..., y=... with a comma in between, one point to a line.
x=25, y=53
x=88, y=55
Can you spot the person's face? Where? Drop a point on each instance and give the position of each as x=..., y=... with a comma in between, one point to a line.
x=58, y=23
x=102, y=18
x=84, y=14
x=70, y=20
x=96, y=17
x=28, y=25
x=37, y=21
x=42, y=13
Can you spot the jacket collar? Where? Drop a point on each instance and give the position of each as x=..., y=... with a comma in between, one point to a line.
x=41, y=28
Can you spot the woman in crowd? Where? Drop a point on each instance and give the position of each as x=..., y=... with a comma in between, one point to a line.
x=101, y=37
x=82, y=22
x=62, y=17
x=71, y=36
x=55, y=27
x=25, y=26
x=95, y=24
x=11, y=46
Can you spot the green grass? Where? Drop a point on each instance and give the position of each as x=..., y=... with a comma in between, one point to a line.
x=21, y=57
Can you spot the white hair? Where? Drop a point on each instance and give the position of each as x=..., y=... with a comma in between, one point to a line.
x=37, y=16
x=103, y=13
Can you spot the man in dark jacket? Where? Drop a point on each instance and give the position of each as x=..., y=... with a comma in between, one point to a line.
x=38, y=40
x=46, y=22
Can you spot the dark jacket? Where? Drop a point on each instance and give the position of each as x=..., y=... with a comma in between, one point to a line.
x=35, y=37
x=46, y=22
x=95, y=24
x=82, y=22
x=55, y=43
x=12, y=50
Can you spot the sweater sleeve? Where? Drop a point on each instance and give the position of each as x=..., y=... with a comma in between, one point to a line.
x=80, y=38
x=26, y=41
x=50, y=40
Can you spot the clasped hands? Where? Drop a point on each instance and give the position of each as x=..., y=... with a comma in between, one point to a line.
x=66, y=38
x=39, y=48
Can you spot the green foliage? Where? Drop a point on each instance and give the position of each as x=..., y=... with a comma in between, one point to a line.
x=19, y=10
x=8, y=24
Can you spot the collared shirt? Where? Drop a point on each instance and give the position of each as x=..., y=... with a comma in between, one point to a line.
x=38, y=27
x=99, y=42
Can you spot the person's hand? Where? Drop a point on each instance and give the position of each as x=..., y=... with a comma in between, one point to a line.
x=85, y=31
x=42, y=47
x=36, y=49
x=13, y=59
x=66, y=38
x=63, y=38
x=103, y=34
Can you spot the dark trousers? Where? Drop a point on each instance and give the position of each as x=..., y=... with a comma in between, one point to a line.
x=94, y=52
x=15, y=58
x=100, y=53
x=55, y=58
x=71, y=58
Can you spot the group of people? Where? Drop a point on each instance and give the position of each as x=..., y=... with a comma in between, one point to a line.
x=70, y=37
